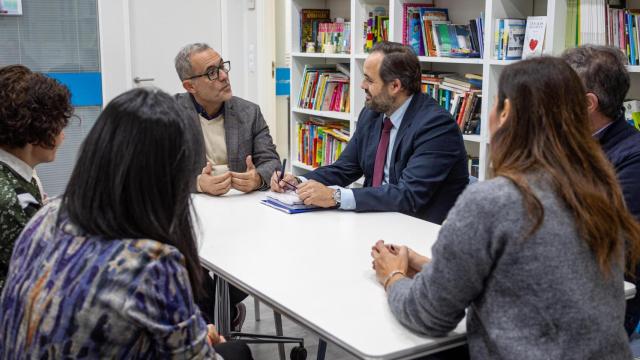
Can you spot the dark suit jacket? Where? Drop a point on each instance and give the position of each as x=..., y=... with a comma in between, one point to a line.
x=621, y=144
x=428, y=168
x=246, y=133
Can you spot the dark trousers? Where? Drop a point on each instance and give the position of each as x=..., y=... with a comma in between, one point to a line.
x=234, y=350
x=207, y=304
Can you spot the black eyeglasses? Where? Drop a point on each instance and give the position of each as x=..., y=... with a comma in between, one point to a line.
x=214, y=72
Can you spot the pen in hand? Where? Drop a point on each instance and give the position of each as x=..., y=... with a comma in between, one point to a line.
x=281, y=177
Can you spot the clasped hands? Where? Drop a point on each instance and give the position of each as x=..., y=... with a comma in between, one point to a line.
x=221, y=184
x=393, y=262
x=311, y=192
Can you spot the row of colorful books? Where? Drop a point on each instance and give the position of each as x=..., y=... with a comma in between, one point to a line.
x=517, y=39
x=325, y=88
x=597, y=22
x=460, y=95
x=623, y=27
x=321, y=141
x=319, y=33
x=376, y=28
x=429, y=32
x=588, y=22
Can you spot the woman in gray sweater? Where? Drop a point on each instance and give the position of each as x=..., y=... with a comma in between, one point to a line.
x=537, y=254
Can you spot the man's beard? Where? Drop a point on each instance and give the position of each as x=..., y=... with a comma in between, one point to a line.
x=381, y=103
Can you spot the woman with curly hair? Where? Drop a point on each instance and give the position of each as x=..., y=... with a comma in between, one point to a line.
x=33, y=113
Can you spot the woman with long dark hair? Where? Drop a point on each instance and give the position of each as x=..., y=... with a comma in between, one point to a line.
x=111, y=270
x=536, y=254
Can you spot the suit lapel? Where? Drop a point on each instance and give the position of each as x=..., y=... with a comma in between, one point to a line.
x=404, y=126
x=231, y=135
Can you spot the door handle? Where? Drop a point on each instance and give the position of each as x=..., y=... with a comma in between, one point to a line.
x=138, y=79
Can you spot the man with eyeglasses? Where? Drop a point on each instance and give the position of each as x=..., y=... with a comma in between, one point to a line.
x=240, y=151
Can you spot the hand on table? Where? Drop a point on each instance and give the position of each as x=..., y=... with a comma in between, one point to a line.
x=385, y=262
x=416, y=261
x=246, y=181
x=213, y=337
x=214, y=184
x=282, y=186
x=314, y=193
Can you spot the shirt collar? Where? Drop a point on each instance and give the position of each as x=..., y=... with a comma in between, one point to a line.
x=396, y=117
x=200, y=110
x=598, y=134
x=16, y=164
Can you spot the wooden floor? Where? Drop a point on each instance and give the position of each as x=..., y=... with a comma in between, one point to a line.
x=266, y=325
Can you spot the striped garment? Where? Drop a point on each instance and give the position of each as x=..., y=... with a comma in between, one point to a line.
x=72, y=295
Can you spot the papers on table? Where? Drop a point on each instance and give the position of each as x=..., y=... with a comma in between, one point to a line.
x=288, y=202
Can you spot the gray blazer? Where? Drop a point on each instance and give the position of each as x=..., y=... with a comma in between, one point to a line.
x=246, y=133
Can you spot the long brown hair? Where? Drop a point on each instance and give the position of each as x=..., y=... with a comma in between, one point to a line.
x=547, y=130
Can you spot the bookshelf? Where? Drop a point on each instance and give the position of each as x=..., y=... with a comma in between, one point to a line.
x=460, y=11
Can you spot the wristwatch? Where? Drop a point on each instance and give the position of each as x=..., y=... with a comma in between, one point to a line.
x=337, y=197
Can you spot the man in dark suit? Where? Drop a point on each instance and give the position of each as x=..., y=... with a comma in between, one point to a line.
x=240, y=151
x=605, y=77
x=408, y=148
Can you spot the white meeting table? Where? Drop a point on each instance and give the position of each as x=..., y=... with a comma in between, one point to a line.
x=315, y=268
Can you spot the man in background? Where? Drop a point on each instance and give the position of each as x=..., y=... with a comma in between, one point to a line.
x=604, y=74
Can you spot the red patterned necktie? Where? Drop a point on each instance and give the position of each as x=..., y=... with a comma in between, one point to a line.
x=381, y=153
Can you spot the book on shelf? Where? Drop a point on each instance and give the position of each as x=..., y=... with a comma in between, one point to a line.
x=429, y=32
x=632, y=112
x=321, y=141
x=310, y=20
x=474, y=166
x=324, y=87
x=509, y=38
x=534, y=36
x=602, y=22
x=428, y=15
x=376, y=28
x=453, y=40
x=408, y=20
x=458, y=95
x=334, y=37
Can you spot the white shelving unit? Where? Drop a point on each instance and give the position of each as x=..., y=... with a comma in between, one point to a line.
x=460, y=11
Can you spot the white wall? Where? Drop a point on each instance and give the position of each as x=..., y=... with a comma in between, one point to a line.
x=115, y=56
x=240, y=34
x=283, y=59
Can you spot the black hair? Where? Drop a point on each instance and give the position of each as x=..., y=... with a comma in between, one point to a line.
x=135, y=173
x=399, y=62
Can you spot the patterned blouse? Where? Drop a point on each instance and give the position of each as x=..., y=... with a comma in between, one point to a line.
x=73, y=295
x=19, y=201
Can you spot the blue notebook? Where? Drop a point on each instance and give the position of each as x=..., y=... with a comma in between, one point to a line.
x=288, y=202
x=289, y=209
